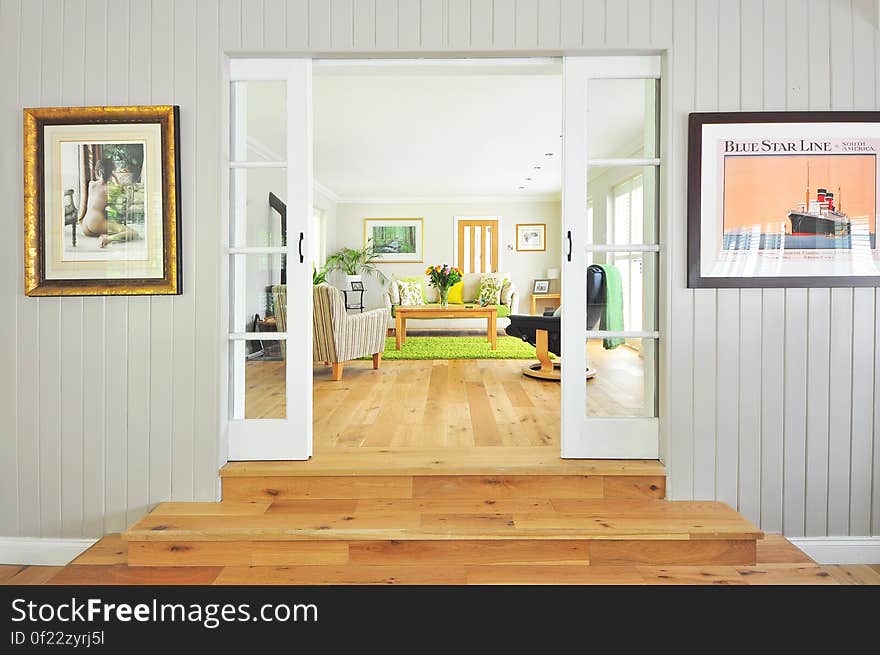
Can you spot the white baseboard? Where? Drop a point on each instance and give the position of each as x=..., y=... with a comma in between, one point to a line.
x=840, y=550
x=41, y=552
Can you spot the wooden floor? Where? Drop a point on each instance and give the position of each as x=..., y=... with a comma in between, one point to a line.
x=779, y=562
x=445, y=403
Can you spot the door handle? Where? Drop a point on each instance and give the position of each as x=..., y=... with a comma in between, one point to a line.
x=569, y=245
x=302, y=258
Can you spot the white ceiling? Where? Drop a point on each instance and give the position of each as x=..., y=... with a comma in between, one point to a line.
x=406, y=130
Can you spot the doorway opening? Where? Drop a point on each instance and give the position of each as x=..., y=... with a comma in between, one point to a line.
x=456, y=164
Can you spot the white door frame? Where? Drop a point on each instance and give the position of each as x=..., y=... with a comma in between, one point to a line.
x=641, y=436
x=289, y=438
x=583, y=436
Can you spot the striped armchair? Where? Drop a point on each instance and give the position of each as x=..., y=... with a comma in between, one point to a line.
x=339, y=337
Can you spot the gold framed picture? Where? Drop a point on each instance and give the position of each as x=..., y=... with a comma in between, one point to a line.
x=101, y=213
x=531, y=237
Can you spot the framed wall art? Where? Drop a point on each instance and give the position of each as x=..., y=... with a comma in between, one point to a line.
x=395, y=239
x=102, y=215
x=531, y=237
x=783, y=199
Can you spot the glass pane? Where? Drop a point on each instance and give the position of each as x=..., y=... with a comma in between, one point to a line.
x=622, y=377
x=256, y=215
x=622, y=118
x=254, y=292
x=259, y=388
x=636, y=298
x=259, y=121
x=622, y=207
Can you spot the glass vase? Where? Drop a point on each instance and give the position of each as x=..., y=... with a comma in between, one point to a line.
x=444, y=297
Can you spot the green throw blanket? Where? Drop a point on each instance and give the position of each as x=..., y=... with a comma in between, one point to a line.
x=612, y=318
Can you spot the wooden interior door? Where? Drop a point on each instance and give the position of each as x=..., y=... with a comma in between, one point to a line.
x=477, y=245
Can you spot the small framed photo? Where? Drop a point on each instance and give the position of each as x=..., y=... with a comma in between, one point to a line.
x=541, y=286
x=357, y=286
x=531, y=237
x=101, y=210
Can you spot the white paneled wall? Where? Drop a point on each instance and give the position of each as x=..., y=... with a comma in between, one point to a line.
x=108, y=405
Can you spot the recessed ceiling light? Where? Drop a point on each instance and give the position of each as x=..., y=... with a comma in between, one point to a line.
x=528, y=179
x=548, y=154
x=536, y=167
x=522, y=187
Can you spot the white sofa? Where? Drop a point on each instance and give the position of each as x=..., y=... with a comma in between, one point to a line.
x=509, y=304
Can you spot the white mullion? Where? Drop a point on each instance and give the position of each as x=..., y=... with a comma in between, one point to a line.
x=239, y=356
x=623, y=334
x=257, y=336
x=259, y=250
x=257, y=164
x=623, y=162
x=622, y=247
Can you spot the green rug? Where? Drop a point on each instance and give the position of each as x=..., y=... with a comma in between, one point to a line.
x=458, y=348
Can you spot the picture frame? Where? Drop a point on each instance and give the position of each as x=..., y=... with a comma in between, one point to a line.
x=531, y=237
x=783, y=199
x=541, y=287
x=357, y=286
x=396, y=240
x=101, y=209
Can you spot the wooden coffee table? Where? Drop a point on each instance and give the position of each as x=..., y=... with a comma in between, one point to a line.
x=489, y=313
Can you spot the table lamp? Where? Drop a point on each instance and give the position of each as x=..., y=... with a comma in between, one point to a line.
x=552, y=274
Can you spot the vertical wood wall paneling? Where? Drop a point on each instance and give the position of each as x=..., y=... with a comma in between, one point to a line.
x=94, y=441
x=148, y=46
x=729, y=380
x=273, y=23
x=433, y=24
x=49, y=314
x=386, y=24
x=364, y=24
x=863, y=353
x=341, y=24
x=751, y=96
x=319, y=26
x=526, y=17
x=482, y=23
x=458, y=19
x=679, y=402
x=639, y=23
x=11, y=277
x=162, y=319
x=201, y=203
x=840, y=411
x=818, y=359
x=571, y=17
x=504, y=24
x=794, y=419
x=27, y=314
x=772, y=384
x=594, y=23
x=616, y=15
x=297, y=33
x=705, y=410
x=549, y=25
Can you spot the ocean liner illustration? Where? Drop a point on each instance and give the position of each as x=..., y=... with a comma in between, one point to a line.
x=819, y=216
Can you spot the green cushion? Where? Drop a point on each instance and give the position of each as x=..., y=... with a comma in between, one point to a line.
x=502, y=310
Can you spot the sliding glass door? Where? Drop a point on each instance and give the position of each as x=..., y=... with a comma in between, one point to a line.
x=610, y=338
x=268, y=260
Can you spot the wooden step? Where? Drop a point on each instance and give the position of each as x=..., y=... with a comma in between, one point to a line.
x=473, y=473
x=408, y=531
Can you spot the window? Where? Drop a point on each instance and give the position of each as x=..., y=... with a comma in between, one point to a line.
x=627, y=226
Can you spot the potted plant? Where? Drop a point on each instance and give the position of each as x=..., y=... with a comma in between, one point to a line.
x=354, y=263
